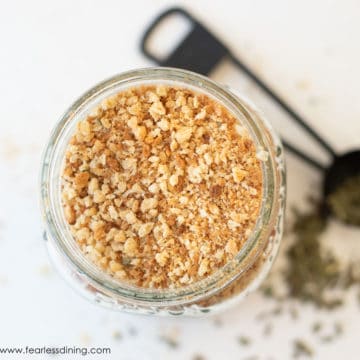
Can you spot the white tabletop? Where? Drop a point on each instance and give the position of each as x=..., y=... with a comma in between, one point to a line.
x=51, y=52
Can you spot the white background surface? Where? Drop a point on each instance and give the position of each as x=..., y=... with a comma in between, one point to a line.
x=51, y=52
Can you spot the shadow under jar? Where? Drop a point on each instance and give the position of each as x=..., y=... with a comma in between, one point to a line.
x=222, y=288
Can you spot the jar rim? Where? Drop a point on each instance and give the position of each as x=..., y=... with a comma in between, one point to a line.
x=263, y=137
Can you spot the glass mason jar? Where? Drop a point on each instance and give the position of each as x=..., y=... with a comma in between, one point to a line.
x=226, y=286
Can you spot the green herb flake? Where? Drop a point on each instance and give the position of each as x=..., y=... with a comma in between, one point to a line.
x=170, y=341
x=302, y=348
x=268, y=329
x=277, y=311
x=268, y=291
x=244, y=340
x=198, y=357
x=317, y=326
x=338, y=328
x=327, y=338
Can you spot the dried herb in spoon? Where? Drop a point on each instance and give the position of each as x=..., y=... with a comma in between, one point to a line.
x=344, y=202
x=311, y=271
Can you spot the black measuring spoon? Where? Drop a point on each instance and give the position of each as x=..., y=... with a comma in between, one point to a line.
x=200, y=51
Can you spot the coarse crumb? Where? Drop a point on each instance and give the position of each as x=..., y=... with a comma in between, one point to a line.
x=159, y=188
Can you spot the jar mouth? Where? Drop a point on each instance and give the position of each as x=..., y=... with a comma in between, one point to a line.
x=50, y=178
